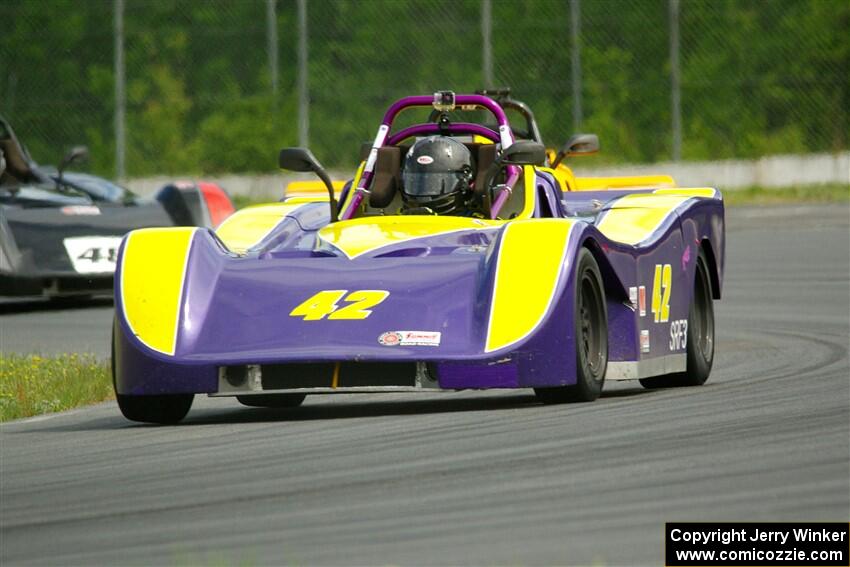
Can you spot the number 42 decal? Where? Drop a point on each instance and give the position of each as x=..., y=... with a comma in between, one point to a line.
x=661, y=302
x=326, y=303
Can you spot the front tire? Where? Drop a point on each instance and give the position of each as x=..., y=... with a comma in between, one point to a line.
x=161, y=409
x=591, y=337
x=700, y=342
x=164, y=410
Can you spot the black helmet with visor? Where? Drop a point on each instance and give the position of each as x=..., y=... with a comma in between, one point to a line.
x=437, y=174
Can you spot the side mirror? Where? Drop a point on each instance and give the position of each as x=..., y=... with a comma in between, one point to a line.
x=303, y=160
x=577, y=145
x=77, y=153
x=298, y=159
x=524, y=152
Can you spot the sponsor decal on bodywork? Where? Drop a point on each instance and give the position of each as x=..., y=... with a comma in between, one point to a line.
x=410, y=338
x=678, y=334
x=72, y=210
x=644, y=341
x=686, y=258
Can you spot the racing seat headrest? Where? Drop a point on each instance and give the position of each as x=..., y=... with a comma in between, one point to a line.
x=486, y=155
x=485, y=158
x=387, y=177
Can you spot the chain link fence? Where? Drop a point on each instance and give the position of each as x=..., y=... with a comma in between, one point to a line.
x=218, y=86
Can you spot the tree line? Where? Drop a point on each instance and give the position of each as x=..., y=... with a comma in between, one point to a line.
x=757, y=77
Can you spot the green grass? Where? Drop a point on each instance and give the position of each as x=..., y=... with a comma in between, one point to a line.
x=32, y=384
x=827, y=193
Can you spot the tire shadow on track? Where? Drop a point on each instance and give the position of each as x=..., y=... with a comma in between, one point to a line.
x=322, y=411
x=319, y=411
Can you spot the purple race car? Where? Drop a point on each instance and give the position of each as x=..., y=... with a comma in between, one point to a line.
x=457, y=258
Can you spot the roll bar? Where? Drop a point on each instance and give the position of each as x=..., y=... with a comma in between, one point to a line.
x=443, y=101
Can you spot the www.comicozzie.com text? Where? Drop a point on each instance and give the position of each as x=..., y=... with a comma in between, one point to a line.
x=756, y=534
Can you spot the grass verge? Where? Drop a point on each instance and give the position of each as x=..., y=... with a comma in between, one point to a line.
x=32, y=384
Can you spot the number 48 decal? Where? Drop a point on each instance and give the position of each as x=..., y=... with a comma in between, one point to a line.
x=325, y=303
x=661, y=302
x=97, y=254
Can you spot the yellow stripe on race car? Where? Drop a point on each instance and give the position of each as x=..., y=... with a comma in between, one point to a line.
x=623, y=182
x=362, y=235
x=531, y=261
x=689, y=192
x=249, y=226
x=310, y=199
x=304, y=188
x=634, y=218
x=530, y=182
x=153, y=268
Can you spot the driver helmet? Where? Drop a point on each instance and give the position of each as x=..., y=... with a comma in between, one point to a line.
x=437, y=175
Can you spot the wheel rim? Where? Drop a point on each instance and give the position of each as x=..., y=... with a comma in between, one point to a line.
x=703, y=322
x=590, y=316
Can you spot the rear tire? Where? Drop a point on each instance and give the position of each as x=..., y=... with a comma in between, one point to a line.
x=272, y=400
x=700, y=342
x=591, y=337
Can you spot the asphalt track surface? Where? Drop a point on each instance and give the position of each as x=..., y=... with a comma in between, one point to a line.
x=467, y=478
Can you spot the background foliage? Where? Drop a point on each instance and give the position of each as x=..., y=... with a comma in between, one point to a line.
x=758, y=77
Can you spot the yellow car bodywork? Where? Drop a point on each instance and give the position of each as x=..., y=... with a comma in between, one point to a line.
x=309, y=187
x=569, y=181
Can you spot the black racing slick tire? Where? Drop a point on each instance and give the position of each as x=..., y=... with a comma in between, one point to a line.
x=700, y=341
x=164, y=410
x=272, y=400
x=591, y=337
x=161, y=409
